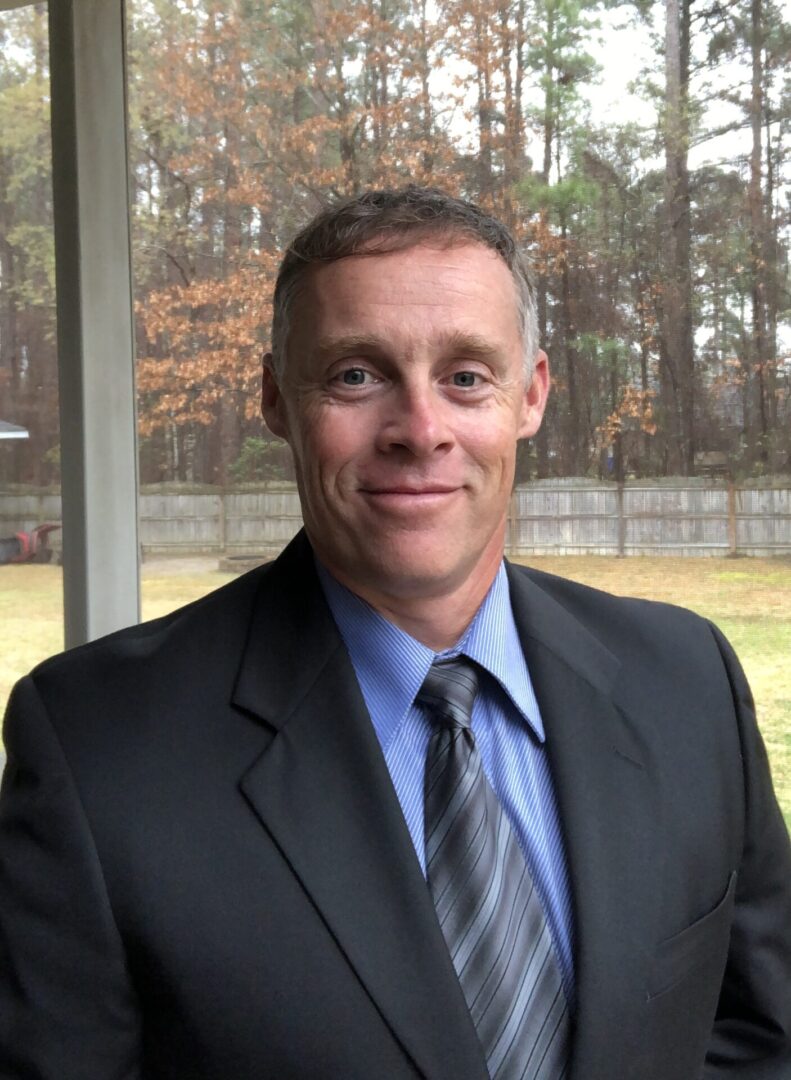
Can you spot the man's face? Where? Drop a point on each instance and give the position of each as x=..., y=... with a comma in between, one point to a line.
x=402, y=401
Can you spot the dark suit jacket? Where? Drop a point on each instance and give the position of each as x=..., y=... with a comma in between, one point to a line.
x=204, y=870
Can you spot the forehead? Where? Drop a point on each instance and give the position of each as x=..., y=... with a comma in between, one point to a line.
x=463, y=282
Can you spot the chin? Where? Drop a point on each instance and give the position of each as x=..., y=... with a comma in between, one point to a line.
x=408, y=564
x=415, y=575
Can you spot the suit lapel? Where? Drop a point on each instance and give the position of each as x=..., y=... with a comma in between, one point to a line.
x=608, y=808
x=322, y=791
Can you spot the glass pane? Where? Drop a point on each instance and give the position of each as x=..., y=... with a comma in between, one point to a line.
x=31, y=596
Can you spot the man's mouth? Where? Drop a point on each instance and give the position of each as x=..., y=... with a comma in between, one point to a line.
x=409, y=498
x=409, y=489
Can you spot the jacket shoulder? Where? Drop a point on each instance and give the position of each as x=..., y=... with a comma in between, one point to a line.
x=192, y=634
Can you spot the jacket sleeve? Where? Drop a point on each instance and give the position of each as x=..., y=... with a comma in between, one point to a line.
x=751, y=1039
x=67, y=1007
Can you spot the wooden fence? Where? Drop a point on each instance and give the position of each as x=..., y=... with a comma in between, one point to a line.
x=566, y=517
x=644, y=518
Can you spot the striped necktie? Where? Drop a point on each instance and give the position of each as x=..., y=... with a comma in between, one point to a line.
x=488, y=909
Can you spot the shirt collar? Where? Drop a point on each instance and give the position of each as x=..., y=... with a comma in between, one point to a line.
x=391, y=665
x=492, y=640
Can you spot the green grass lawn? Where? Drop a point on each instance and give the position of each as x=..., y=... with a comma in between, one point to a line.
x=750, y=599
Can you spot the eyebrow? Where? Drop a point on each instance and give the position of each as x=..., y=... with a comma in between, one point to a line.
x=455, y=341
x=332, y=346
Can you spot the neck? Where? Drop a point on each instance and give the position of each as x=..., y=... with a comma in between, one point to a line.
x=437, y=630
x=438, y=620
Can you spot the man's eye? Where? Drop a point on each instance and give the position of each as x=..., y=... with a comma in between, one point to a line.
x=465, y=378
x=354, y=377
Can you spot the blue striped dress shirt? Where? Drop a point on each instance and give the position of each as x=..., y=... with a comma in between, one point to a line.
x=391, y=665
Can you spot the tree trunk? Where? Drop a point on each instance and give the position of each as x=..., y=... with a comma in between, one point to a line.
x=677, y=305
x=542, y=298
x=574, y=437
x=9, y=345
x=483, y=82
x=773, y=296
x=757, y=231
x=426, y=108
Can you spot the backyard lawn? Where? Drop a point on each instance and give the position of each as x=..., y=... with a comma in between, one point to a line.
x=750, y=599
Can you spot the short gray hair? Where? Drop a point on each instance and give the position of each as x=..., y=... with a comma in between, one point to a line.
x=377, y=222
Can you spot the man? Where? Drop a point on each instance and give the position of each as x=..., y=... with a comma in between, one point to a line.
x=388, y=807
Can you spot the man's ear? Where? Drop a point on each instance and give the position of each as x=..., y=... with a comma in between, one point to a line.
x=535, y=398
x=273, y=407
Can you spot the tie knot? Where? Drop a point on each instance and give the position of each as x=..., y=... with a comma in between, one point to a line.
x=449, y=690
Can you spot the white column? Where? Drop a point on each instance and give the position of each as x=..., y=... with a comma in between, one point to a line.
x=95, y=324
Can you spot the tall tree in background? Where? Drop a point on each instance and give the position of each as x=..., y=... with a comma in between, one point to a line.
x=755, y=34
x=28, y=367
x=560, y=65
x=770, y=46
x=678, y=353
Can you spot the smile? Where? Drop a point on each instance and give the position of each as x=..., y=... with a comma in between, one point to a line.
x=405, y=497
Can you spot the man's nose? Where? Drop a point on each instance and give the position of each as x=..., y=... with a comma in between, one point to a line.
x=418, y=421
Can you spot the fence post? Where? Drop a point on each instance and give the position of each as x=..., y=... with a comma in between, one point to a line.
x=511, y=539
x=733, y=541
x=621, y=521
x=223, y=525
